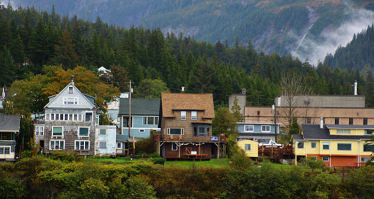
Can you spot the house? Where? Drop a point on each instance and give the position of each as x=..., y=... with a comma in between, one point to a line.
x=144, y=119
x=335, y=145
x=105, y=142
x=250, y=148
x=70, y=122
x=308, y=109
x=186, y=127
x=261, y=132
x=9, y=128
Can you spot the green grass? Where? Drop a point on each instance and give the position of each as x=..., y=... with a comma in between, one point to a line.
x=213, y=163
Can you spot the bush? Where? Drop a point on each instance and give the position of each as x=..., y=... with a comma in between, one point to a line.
x=314, y=163
x=65, y=156
x=158, y=161
x=27, y=154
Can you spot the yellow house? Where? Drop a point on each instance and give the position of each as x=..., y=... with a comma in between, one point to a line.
x=336, y=145
x=250, y=147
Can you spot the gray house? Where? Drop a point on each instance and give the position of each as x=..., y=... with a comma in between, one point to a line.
x=9, y=128
x=70, y=121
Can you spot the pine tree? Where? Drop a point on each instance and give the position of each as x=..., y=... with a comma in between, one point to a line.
x=64, y=52
x=7, y=67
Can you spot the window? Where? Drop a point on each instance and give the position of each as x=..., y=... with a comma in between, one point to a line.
x=183, y=115
x=175, y=132
x=313, y=145
x=4, y=150
x=247, y=147
x=369, y=132
x=369, y=147
x=119, y=145
x=201, y=131
x=70, y=90
x=88, y=116
x=82, y=145
x=344, y=147
x=150, y=120
x=343, y=131
x=57, y=131
x=336, y=120
x=75, y=117
x=326, y=146
x=248, y=128
x=365, y=121
x=70, y=100
x=365, y=159
x=350, y=121
x=102, y=145
x=325, y=158
x=52, y=116
x=174, y=147
x=265, y=128
x=39, y=130
x=102, y=131
x=83, y=131
x=47, y=117
x=57, y=116
x=193, y=115
x=56, y=145
x=61, y=116
x=66, y=116
x=300, y=145
x=80, y=117
x=308, y=120
x=70, y=117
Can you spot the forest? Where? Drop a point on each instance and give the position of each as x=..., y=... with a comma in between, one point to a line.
x=31, y=41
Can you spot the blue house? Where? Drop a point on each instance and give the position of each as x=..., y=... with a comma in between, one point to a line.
x=144, y=118
x=262, y=133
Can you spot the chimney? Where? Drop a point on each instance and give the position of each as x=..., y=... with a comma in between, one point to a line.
x=321, y=123
x=182, y=89
x=355, y=88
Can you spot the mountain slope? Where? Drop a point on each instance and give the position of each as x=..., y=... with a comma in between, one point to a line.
x=308, y=29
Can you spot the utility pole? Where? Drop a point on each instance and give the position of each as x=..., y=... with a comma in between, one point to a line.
x=129, y=122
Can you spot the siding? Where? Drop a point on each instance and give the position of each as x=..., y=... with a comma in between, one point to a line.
x=254, y=147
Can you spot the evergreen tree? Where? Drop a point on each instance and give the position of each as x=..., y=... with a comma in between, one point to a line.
x=64, y=52
x=7, y=67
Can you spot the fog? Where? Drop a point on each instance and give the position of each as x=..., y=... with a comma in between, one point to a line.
x=314, y=51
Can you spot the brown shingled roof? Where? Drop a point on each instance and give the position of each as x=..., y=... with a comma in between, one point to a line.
x=187, y=101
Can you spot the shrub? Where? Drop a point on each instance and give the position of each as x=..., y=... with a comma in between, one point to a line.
x=158, y=161
x=65, y=156
x=314, y=163
x=27, y=154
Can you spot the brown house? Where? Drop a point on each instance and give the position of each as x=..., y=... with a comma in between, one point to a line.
x=186, y=127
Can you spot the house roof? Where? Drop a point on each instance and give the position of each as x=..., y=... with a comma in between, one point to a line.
x=139, y=106
x=350, y=126
x=187, y=101
x=312, y=131
x=256, y=134
x=9, y=122
x=297, y=137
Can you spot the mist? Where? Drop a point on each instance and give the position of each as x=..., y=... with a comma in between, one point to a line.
x=331, y=38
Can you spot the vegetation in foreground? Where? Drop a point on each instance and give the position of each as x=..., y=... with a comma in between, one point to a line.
x=65, y=175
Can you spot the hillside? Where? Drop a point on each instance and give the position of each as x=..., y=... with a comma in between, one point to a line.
x=308, y=29
x=358, y=54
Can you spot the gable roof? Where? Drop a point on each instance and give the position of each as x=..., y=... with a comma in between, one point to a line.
x=186, y=101
x=88, y=98
x=139, y=106
x=312, y=131
x=9, y=122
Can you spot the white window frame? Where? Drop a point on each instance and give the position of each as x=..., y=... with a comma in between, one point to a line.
x=174, y=148
x=47, y=117
x=100, y=131
x=119, y=144
x=193, y=115
x=52, y=116
x=57, y=116
x=141, y=130
x=182, y=130
x=365, y=159
x=326, y=160
x=84, y=144
x=72, y=90
x=303, y=143
x=325, y=144
x=79, y=129
x=265, y=131
x=250, y=131
x=75, y=117
x=56, y=140
x=62, y=131
x=85, y=116
x=183, y=115
x=246, y=147
x=74, y=100
x=3, y=149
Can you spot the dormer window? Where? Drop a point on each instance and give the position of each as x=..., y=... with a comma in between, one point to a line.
x=70, y=90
